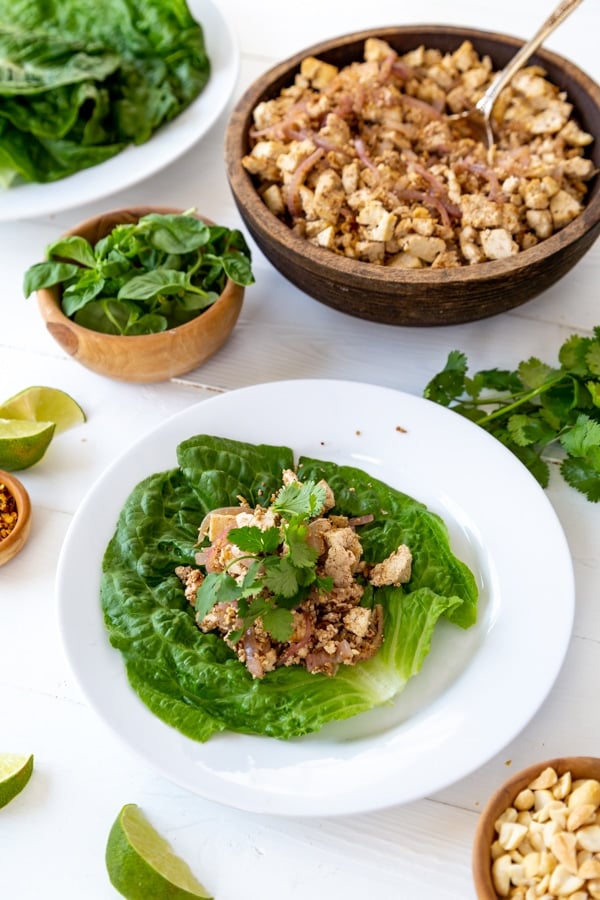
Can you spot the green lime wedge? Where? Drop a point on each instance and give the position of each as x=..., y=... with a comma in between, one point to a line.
x=15, y=772
x=22, y=444
x=142, y=865
x=43, y=404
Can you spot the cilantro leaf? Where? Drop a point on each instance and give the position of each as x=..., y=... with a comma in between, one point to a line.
x=533, y=373
x=529, y=429
x=281, y=576
x=300, y=498
x=501, y=380
x=300, y=551
x=252, y=539
x=279, y=623
x=593, y=357
x=583, y=439
x=594, y=391
x=450, y=382
x=535, y=407
x=573, y=353
x=217, y=587
x=583, y=475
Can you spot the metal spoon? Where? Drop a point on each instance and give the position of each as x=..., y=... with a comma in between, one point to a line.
x=476, y=122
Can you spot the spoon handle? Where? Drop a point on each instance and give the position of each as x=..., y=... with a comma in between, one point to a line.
x=487, y=100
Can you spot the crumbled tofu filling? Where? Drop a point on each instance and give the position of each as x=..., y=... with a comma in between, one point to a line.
x=363, y=161
x=330, y=627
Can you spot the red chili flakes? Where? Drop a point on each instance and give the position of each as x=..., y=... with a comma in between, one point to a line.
x=8, y=512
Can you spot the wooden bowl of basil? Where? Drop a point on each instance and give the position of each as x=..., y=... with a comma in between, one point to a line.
x=142, y=294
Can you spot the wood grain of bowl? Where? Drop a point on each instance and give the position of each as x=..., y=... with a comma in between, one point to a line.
x=17, y=538
x=141, y=358
x=415, y=297
x=580, y=767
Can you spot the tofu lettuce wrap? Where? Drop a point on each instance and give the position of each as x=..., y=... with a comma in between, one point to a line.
x=193, y=679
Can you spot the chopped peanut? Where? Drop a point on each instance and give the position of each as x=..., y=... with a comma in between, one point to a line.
x=547, y=844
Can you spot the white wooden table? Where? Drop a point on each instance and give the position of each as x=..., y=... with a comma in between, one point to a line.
x=52, y=837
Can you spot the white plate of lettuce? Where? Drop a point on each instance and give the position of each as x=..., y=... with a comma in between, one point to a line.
x=28, y=199
x=465, y=699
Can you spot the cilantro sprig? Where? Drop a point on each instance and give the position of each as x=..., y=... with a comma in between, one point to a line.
x=536, y=408
x=282, y=566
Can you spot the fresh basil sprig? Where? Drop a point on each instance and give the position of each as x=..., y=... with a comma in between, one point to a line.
x=145, y=277
x=536, y=407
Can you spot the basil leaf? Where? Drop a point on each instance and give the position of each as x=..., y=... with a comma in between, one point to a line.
x=73, y=248
x=171, y=267
x=47, y=274
x=162, y=281
x=176, y=233
x=238, y=268
x=77, y=295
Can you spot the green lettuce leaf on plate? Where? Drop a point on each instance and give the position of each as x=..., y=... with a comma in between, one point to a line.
x=193, y=681
x=81, y=80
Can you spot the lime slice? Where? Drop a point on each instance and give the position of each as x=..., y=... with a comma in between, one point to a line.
x=22, y=444
x=142, y=865
x=15, y=772
x=43, y=404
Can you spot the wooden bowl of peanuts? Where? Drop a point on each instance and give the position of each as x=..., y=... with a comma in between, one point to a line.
x=354, y=185
x=538, y=837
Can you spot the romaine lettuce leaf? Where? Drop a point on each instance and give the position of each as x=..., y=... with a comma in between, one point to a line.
x=193, y=681
x=81, y=80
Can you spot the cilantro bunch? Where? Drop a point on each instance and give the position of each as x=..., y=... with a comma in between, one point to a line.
x=143, y=277
x=282, y=567
x=536, y=408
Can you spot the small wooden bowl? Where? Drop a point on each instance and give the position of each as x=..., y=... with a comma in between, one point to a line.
x=414, y=297
x=17, y=538
x=148, y=357
x=579, y=766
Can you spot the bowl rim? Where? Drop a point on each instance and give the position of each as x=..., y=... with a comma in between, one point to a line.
x=50, y=298
x=502, y=798
x=307, y=255
x=15, y=541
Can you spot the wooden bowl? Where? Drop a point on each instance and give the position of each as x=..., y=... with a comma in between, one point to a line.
x=17, y=538
x=414, y=297
x=579, y=766
x=147, y=357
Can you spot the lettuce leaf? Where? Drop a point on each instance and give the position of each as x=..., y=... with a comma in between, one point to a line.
x=193, y=681
x=79, y=81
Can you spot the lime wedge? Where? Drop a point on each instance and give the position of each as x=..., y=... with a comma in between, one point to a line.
x=142, y=865
x=22, y=444
x=43, y=404
x=15, y=772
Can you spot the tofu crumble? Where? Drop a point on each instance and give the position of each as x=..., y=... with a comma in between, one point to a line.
x=362, y=160
x=330, y=627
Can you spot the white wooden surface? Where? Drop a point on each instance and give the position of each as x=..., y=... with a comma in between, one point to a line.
x=52, y=837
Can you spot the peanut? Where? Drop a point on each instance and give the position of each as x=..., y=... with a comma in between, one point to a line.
x=547, y=844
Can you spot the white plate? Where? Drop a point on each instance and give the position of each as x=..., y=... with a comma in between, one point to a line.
x=468, y=701
x=166, y=145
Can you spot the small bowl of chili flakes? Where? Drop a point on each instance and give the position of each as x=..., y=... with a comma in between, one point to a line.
x=15, y=516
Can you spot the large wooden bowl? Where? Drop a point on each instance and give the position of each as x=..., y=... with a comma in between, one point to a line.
x=414, y=297
x=16, y=540
x=148, y=357
x=579, y=767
